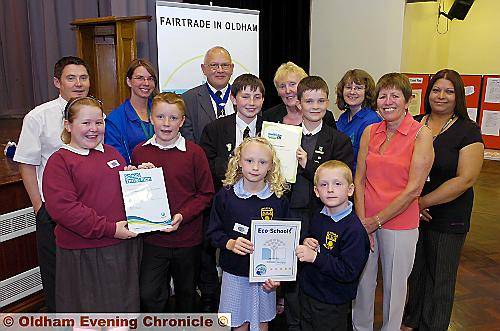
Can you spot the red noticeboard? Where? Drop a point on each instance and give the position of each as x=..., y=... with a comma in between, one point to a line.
x=472, y=85
x=489, y=111
x=419, y=84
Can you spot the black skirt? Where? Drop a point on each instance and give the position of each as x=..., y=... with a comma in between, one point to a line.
x=99, y=280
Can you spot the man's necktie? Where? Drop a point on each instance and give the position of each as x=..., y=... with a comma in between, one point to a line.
x=220, y=111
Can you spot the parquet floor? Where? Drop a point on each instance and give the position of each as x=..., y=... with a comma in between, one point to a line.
x=477, y=294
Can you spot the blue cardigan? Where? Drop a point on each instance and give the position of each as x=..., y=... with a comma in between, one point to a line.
x=124, y=131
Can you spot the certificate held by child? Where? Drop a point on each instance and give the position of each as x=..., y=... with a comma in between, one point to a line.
x=146, y=202
x=285, y=140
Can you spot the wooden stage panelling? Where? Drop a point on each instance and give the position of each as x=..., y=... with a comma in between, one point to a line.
x=19, y=254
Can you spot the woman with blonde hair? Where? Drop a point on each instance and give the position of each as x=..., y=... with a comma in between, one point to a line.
x=286, y=80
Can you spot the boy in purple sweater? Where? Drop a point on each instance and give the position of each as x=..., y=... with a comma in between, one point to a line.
x=335, y=251
x=175, y=251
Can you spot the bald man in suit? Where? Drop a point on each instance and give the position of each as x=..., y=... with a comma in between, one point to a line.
x=207, y=102
x=204, y=104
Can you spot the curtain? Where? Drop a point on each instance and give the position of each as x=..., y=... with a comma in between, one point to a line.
x=34, y=34
x=284, y=36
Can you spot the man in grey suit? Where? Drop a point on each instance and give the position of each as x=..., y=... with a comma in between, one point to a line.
x=209, y=101
x=204, y=104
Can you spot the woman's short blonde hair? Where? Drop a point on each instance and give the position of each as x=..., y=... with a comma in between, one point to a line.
x=286, y=69
x=277, y=182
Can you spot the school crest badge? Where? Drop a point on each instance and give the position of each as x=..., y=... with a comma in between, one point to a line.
x=330, y=240
x=266, y=213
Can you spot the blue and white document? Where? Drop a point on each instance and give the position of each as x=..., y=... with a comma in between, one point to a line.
x=274, y=245
x=146, y=202
x=285, y=140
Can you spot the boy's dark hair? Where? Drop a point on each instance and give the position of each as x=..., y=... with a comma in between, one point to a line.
x=244, y=80
x=64, y=61
x=312, y=83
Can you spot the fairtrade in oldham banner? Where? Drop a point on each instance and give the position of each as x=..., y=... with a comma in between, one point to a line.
x=186, y=31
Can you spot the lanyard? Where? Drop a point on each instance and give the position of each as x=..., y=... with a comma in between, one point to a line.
x=445, y=126
x=147, y=134
x=220, y=102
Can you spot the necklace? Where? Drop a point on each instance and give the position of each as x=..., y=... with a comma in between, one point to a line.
x=388, y=138
x=444, y=127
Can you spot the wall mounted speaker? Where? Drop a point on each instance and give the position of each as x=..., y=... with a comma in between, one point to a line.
x=459, y=9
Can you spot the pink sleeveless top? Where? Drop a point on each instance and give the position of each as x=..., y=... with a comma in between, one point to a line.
x=387, y=174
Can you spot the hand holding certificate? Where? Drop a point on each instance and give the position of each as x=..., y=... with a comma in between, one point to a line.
x=285, y=140
x=146, y=202
x=273, y=256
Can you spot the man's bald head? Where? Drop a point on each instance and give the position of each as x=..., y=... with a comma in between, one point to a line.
x=217, y=67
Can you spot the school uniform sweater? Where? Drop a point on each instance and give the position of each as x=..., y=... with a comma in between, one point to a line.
x=333, y=277
x=227, y=211
x=189, y=189
x=83, y=196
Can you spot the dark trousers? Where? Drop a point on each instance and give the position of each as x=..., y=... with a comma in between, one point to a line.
x=431, y=285
x=46, y=249
x=291, y=289
x=158, y=264
x=208, y=278
x=319, y=316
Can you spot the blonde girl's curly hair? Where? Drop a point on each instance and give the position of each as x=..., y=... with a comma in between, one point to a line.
x=277, y=182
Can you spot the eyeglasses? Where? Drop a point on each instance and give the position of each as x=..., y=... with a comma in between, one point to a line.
x=143, y=79
x=223, y=66
x=356, y=88
x=73, y=101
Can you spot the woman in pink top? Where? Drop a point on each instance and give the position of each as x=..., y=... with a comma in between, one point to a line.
x=394, y=159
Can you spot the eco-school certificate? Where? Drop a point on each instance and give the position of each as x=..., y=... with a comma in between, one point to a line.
x=146, y=202
x=285, y=140
x=274, y=244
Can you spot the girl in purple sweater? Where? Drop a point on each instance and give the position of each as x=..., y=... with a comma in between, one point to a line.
x=96, y=269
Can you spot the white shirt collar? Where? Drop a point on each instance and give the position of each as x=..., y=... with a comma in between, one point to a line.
x=62, y=104
x=83, y=151
x=313, y=132
x=241, y=125
x=223, y=90
x=241, y=193
x=180, y=143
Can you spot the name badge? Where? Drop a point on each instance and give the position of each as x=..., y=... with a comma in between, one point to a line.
x=113, y=164
x=240, y=228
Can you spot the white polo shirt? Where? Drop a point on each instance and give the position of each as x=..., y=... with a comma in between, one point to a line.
x=41, y=136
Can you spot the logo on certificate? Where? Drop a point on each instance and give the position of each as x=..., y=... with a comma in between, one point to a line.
x=266, y=213
x=260, y=270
